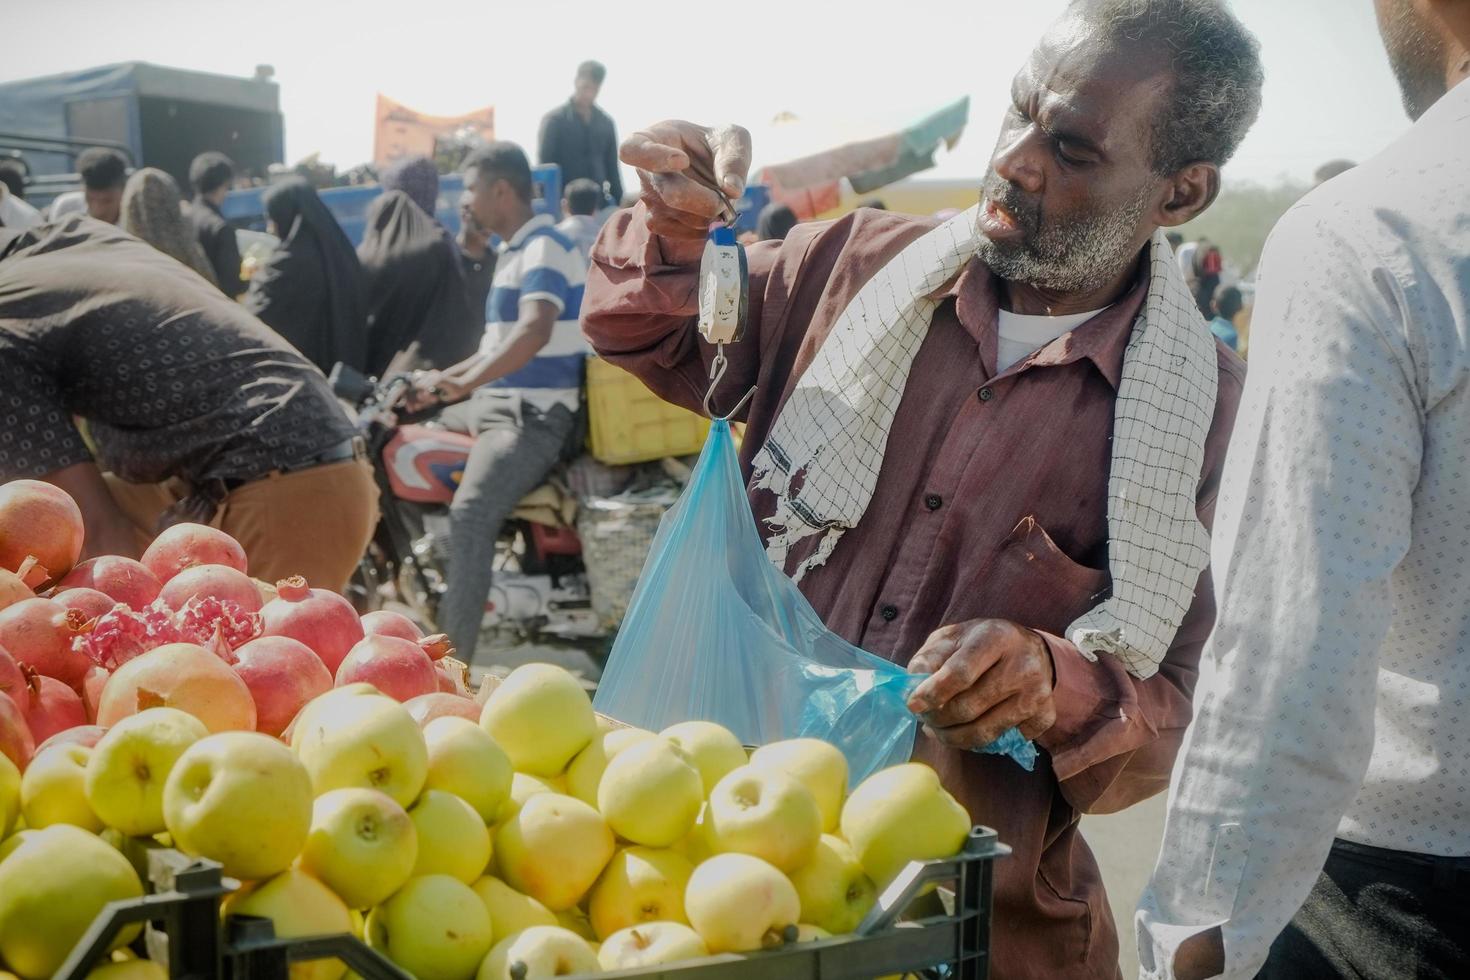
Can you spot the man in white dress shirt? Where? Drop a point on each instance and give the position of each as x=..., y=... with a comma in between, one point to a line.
x=1319, y=825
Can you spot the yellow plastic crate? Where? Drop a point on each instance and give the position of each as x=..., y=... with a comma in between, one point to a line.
x=627, y=423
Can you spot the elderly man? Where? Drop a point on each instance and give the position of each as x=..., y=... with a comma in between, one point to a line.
x=1321, y=823
x=989, y=449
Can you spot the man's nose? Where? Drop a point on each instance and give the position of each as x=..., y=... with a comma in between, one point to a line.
x=1018, y=160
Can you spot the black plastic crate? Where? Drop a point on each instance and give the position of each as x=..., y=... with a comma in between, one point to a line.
x=952, y=943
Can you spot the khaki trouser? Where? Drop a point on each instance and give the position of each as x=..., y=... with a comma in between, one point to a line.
x=315, y=523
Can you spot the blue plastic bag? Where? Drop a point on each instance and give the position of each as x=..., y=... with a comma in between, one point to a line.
x=716, y=632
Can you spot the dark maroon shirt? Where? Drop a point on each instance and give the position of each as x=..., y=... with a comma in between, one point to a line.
x=991, y=502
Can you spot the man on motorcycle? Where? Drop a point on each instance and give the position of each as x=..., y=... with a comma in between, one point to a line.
x=519, y=394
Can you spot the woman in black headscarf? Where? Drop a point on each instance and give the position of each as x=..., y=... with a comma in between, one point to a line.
x=311, y=290
x=418, y=314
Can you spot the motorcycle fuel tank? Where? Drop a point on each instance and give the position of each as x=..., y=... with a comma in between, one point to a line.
x=425, y=464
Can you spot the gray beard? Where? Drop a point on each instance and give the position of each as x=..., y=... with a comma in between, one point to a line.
x=1071, y=257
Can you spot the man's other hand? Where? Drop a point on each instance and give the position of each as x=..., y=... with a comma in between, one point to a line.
x=986, y=675
x=669, y=155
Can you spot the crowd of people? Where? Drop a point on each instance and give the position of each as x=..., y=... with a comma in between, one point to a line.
x=990, y=446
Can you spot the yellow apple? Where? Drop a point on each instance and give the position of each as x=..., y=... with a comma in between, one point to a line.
x=576, y=920
x=902, y=814
x=585, y=771
x=640, y=884
x=834, y=890
x=51, y=888
x=541, y=717
x=553, y=849
x=542, y=951
x=242, y=799
x=130, y=764
x=129, y=969
x=510, y=911
x=819, y=766
x=524, y=786
x=808, y=933
x=434, y=927
x=712, y=748
x=738, y=903
x=53, y=789
x=9, y=795
x=358, y=737
x=695, y=845
x=453, y=839
x=764, y=813
x=362, y=845
x=464, y=760
x=650, y=944
x=650, y=794
x=15, y=840
x=298, y=905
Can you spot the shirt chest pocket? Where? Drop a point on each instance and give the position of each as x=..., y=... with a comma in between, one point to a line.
x=1033, y=582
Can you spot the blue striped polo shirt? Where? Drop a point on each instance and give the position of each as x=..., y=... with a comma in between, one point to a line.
x=540, y=262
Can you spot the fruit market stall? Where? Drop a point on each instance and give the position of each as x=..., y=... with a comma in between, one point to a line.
x=203, y=775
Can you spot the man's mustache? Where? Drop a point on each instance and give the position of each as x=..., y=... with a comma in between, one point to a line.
x=1022, y=206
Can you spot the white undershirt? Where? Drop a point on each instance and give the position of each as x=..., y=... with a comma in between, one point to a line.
x=1021, y=334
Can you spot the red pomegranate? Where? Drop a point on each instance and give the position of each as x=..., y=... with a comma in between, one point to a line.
x=39, y=632
x=125, y=580
x=426, y=707
x=282, y=674
x=386, y=622
x=12, y=680
x=183, y=676
x=398, y=668
x=322, y=620
x=92, y=684
x=186, y=545
x=16, y=742
x=211, y=582
x=39, y=521
x=13, y=588
x=90, y=602
x=451, y=680
x=86, y=736
x=50, y=706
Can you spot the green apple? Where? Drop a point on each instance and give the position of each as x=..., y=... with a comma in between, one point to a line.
x=902, y=814
x=819, y=766
x=355, y=736
x=640, y=884
x=553, y=849
x=764, y=813
x=51, y=888
x=650, y=944
x=453, y=839
x=541, y=951
x=434, y=927
x=650, y=794
x=16, y=839
x=362, y=845
x=585, y=771
x=834, y=890
x=739, y=903
x=53, y=789
x=541, y=717
x=9, y=795
x=130, y=764
x=298, y=905
x=242, y=799
x=510, y=911
x=464, y=760
x=712, y=748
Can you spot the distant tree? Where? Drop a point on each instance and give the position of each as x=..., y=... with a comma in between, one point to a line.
x=1241, y=218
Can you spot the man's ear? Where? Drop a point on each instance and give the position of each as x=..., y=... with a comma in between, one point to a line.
x=1188, y=192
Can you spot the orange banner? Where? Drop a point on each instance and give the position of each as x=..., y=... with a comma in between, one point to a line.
x=403, y=132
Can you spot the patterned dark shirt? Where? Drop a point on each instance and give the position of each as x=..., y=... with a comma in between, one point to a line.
x=172, y=378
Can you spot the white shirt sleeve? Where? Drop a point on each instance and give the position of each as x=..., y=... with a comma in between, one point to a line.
x=1313, y=517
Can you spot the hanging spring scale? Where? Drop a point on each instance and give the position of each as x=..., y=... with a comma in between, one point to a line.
x=724, y=303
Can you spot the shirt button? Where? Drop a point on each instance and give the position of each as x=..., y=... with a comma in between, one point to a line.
x=986, y=394
x=889, y=613
x=934, y=501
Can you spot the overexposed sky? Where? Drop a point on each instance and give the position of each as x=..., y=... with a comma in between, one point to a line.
x=847, y=70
